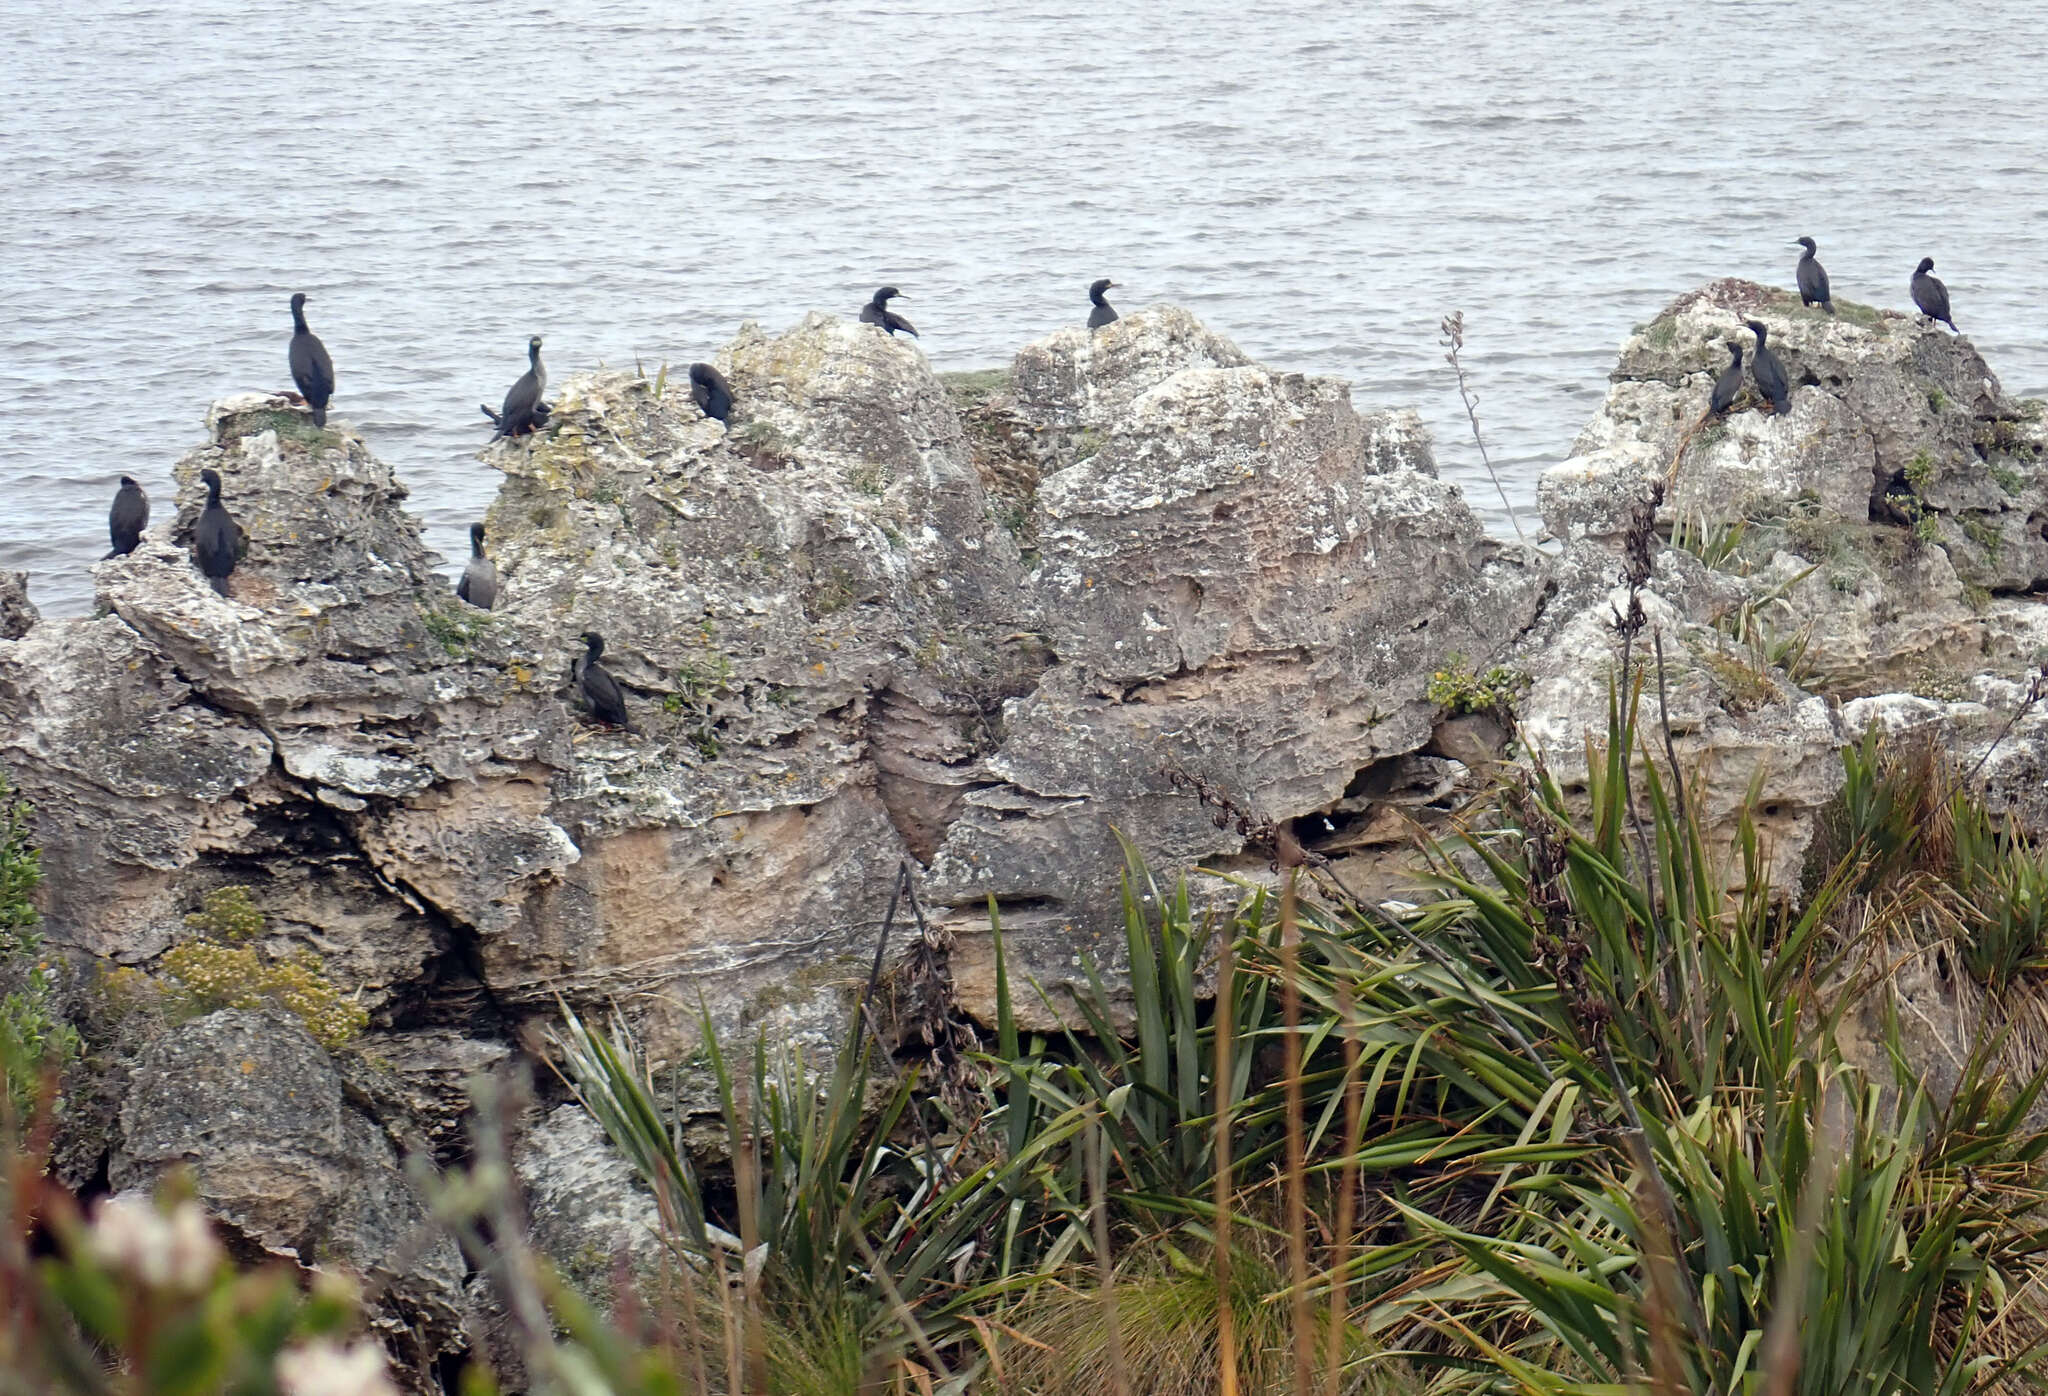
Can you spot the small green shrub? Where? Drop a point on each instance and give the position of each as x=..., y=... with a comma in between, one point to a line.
x=34, y=1039
x=1920, y=471
x=1457, y=688
x=221, y=969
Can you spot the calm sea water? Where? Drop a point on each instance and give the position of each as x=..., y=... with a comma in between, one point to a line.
x=1322, y=182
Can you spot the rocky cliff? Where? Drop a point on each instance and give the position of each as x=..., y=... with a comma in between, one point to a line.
x=985, y=624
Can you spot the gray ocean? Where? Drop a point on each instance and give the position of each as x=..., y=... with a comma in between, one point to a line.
x=1321, y=182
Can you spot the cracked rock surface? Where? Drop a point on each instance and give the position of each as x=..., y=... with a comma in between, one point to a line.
x=979, y=622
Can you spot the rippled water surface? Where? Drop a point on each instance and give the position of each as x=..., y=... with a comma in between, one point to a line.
x=1321, y=182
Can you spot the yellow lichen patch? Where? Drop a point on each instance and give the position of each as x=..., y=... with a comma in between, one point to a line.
x=223, y=970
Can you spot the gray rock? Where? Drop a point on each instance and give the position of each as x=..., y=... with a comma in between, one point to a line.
x=256, y=1110
x=587, y=1208
x=18, y=614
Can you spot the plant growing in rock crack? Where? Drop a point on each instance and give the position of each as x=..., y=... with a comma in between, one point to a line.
x=699, y=684
x=1457, y=688
x=455, y=631
x=222, y=968
x=35, y=1040
x=1718, y=545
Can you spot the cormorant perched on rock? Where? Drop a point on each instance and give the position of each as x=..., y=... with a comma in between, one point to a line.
x=128, y=517
x=1770, y=374
x=1103, y=313
x=710, y=391
x=312, y=370
x=523, y=410
x=479, y=584
x=1930, y=295
x=1728, y=384
x=1813, y=278
x=601, y=692
x=216, y=538
x=877, y=312
x=535, y=420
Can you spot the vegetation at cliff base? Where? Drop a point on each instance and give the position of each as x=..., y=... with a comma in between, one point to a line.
x=1607, y=1114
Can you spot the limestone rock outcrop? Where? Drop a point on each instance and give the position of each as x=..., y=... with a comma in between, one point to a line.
x=986, y=623
x=279, y=1155
x=1886, y=535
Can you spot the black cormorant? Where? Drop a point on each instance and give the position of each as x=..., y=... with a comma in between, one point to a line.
x=1728, y=384
x=216, y=537
x=601, y=692
x=537, y=419
x=1930, y=295
x=877, y=312
x=479, y=584
x=312, y=370
x=523, y=410
x=128, y=517
x=1103, y=313
x=1813, y=278
x=1770, y=374
x=710, y=391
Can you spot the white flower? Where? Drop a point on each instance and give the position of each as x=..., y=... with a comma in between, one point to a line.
x=326, y=1368
x=165, y=1252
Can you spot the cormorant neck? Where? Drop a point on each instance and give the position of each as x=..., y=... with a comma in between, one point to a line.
x=299, y=318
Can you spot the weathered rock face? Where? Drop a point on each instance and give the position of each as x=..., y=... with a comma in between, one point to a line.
x=1884, y=535
x=982, y=624
x=1239, y=577
x=18, y=614
x=253, y=1106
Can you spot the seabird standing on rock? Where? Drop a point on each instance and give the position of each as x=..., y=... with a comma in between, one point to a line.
x=1930, y=295
x=1770, y=374
x=1103, y=313
x=710, y=391
x=479, y=584
x=312, y=370
x=1728, y=384
x=877, y=312
x=523, y=410
x=128, y=517
x=1813, y=278
x=216, y=537
x=601, y=692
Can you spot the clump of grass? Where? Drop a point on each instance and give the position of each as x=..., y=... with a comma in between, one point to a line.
x=1718, y=545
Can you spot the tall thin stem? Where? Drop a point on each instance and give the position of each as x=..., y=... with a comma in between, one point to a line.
x=1225, y=1026
x=1347, y=1192
x=1453, y=341
x=1096, y=1160
x=1297, y=1140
